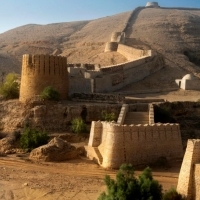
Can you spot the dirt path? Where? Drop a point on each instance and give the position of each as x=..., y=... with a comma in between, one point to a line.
x=79, y=179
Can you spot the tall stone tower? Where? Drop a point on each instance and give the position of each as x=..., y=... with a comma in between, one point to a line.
x=40, y=71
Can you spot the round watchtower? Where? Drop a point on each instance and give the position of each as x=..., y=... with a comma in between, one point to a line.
x=152, y=5
x=40, y=71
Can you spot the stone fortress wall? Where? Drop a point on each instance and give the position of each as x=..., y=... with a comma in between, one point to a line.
x=40, y=71
x=189, y=176
x=114, y=77
x=113, y=144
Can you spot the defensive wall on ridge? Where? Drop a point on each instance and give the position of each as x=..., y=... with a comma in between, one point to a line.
x=103, y=79
x=114, y=77
x=40, y=71
x=189, y=176
x=136, y=144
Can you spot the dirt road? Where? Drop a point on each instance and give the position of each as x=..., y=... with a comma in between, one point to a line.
x=78, y=179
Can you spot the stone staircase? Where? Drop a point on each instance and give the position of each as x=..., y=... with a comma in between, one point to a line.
x=136, y=118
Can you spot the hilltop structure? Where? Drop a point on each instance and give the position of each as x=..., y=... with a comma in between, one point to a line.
x=152, y=5
x=40, y=71
x=188, y=82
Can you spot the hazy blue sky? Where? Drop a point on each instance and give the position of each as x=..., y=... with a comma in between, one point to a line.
x=16, y=13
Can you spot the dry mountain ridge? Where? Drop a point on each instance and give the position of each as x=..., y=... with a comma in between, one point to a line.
x=45, y=39
x=170, y=32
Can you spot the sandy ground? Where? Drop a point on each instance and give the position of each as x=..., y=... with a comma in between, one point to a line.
x=78, y=179
x=179, y=95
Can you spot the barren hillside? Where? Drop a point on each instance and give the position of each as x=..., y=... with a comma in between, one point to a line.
x=80, y=41
x=171, y=32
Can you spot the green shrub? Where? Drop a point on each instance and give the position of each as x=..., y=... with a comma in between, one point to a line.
x=105, y=116
x=10, y=88
x=78, y=126
x=127, y=187
x=50, y=93
x=33, y=138
x=172, y=194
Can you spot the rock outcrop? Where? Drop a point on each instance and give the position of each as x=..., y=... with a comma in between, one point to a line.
x=56, y=150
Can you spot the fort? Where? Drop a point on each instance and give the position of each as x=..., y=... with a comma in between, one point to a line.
x=135, y=138
x=98, y=79
x=112, y=144
x=40, y=71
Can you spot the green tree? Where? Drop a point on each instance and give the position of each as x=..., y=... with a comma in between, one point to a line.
x=50, y=93
x=10, y=87
x=150, y=189
x=127, y=187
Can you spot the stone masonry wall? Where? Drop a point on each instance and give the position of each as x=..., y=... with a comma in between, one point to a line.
x=40, y=71
x=136, y=144
x=197, y=181
x=188, y=181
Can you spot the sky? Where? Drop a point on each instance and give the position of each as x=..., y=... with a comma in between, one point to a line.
x=15, y=13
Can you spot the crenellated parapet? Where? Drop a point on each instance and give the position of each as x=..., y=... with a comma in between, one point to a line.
x=40, y=71
x=136, y=144
x=44, y=65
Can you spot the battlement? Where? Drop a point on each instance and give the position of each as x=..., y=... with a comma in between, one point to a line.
x=40, y=71
x=136, y=144
x=44, y=65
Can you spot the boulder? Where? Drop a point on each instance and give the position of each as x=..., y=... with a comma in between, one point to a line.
x=56, y=150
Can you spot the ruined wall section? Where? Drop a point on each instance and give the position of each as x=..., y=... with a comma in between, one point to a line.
x=40, y=71
x=137, y=144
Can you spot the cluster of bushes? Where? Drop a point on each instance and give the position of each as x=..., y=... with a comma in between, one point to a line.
x=128, y=187
x=33, y=138
x=78, y=126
